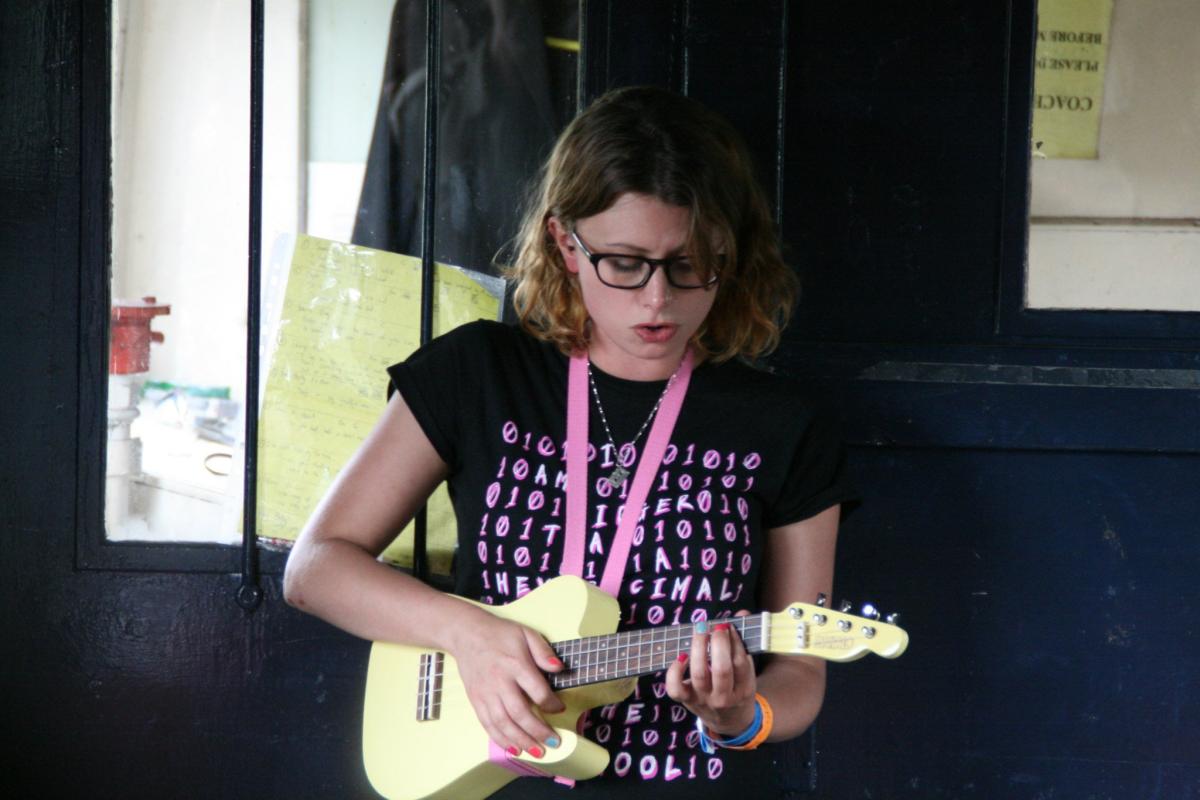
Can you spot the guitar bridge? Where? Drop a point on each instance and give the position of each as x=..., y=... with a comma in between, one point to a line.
x=429, y=686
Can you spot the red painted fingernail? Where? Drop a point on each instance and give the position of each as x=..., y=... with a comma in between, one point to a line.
x=554, y=662
x=513, y=751
x=536, y=752
x=721, y=626
x=681, y=658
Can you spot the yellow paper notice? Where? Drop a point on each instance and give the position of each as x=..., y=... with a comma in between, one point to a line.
x=1072, y=52
x=348, y=313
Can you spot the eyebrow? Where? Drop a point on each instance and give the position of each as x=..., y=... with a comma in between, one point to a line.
x=679, y=251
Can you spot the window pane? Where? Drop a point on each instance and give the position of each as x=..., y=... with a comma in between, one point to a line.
x=180, y=178
x=1116, y=171
x=347, y=296
x=179, y=174
x=343, y=162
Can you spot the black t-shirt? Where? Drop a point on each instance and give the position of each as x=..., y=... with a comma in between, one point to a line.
x=749, y=453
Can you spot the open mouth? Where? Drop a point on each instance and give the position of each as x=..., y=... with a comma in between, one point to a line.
x=656, y=333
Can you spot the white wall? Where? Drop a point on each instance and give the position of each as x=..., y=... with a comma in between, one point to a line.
x=347, y=44
x=181, y=170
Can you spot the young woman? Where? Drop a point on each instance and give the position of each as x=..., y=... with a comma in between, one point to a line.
x=648, y=278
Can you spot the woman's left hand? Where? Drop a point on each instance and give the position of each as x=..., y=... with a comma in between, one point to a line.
x=721, y=686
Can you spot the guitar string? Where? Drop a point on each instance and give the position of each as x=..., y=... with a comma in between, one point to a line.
x=615, y=647
x=628, y=646
x=750, y=628
x=611, y=645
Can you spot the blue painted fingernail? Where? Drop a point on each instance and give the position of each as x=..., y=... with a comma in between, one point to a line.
x=701, y=627
x=552, y=741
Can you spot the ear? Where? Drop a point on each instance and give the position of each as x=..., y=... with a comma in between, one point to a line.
x=565, y=244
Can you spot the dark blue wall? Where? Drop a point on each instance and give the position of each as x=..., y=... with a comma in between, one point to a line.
x=1029, y=481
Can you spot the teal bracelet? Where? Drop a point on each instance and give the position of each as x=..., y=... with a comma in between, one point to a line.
x=709, y=744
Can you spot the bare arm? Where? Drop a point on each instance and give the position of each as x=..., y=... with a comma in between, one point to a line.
x=333, y=572
x=798, y=564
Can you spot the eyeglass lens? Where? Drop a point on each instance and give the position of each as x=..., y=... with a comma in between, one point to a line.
x=630, y=271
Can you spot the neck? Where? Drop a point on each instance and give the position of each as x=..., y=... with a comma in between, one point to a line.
x=635, y=369
x=613, y=656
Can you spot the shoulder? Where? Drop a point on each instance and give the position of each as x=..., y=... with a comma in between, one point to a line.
x=489, y=351
x=499, y=334
x=481, y=338
x=481, y=332
x=501, y=342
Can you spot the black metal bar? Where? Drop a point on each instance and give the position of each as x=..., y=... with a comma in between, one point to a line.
x=95, y=279
x=595, y=21
x=581, y=34
x=684, y=33
x=433, y=82
x=249, y=593
x=1003, y=275
x=781, y=118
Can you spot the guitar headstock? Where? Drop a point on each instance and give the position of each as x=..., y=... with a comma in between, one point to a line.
x=814, y=630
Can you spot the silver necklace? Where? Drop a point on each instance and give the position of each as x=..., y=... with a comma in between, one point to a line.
x=619, y=473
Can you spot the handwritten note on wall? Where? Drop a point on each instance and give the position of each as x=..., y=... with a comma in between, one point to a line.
x=348, y=313
x=1071, y=55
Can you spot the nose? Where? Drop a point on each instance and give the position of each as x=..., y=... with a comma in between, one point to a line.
x=658, y=291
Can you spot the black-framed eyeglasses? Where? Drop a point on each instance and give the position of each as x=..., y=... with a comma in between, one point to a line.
x=625, y=271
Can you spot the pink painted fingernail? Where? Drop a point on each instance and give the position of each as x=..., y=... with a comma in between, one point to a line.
x=721, y=626
x=682, y=658
x=536, y=752
x=513, y=751
x=554, y=662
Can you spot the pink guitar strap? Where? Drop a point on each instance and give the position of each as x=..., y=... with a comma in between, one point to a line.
x=577, y=447
x=577, y=479
x=498, y=756
x=577, y=494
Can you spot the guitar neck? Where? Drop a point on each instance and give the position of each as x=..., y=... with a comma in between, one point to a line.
x=613, y=656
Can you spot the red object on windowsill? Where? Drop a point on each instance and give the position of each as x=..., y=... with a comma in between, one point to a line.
x=130, y=335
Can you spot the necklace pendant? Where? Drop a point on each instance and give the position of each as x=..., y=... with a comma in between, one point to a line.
x=617, y=477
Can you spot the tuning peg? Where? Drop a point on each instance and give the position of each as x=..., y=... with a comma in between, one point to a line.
x=892, y=619
x=869, y=611
x=822, y=599
x=845, y=606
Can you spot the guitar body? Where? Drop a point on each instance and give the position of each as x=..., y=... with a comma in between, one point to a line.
x=448, y=757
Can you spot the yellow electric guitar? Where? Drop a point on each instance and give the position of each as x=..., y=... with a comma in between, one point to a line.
x=421, y=738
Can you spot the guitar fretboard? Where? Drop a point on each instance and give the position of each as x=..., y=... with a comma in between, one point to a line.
x=612, y=656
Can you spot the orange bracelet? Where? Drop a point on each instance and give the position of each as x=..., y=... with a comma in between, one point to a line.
x=763, y=732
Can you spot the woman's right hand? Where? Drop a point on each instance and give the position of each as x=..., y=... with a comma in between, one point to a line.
x=502, y=664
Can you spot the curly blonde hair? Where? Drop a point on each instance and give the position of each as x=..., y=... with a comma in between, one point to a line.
x=649, y=141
